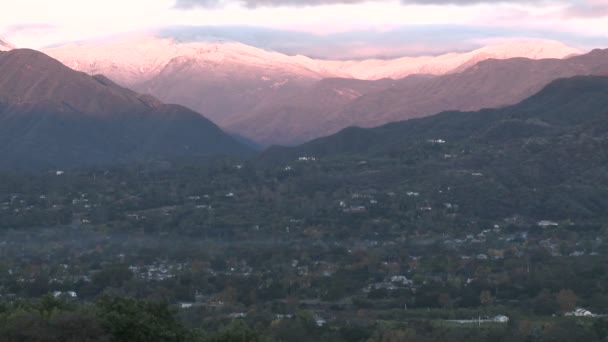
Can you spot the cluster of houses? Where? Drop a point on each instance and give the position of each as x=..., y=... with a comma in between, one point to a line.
x=479, y=320
x=158, y=271
x=580, y=312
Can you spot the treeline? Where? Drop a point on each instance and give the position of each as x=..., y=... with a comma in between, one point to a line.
x=121, y=319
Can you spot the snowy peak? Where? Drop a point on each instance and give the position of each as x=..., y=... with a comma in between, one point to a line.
x=375, y=69
x=533, y=49
x=138, y=59
x=5, y=45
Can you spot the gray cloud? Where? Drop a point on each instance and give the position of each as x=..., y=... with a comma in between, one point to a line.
x=189, y=4
x=31, y=27
x=586, y=10
x=407, y=40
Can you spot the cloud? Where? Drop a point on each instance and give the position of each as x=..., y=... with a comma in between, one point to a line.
x=190, y=4
x=29, y=28
x=356, y=44
x=586, y=9
x=406, y=40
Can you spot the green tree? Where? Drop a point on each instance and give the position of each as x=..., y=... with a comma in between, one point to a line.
x=130, y=320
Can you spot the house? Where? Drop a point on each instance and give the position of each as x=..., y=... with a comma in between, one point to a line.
x=546, y=224
x=65, y=295
x=238, y=315
x=402, y=280
x=281, y=316
x=355, y=209
x=579, y=312
x=501, y=319
x=320, y=321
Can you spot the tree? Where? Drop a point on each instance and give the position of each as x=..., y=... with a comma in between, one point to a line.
x=566, y=300
x=130, y=320
x=237, y=331
x=485, y=298
x=545, y=303
x=444, y=300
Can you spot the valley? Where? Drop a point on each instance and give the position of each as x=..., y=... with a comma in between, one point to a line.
x=363, y=234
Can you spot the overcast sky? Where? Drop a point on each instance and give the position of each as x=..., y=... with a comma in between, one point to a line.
x=324, y=28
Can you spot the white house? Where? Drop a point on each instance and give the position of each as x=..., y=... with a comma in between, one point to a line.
x=402, y=280
x=579, y=312
x=501, y=319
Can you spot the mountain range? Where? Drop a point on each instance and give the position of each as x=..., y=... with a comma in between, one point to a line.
x=491, y=83
x=53, y=116
x=272, y=98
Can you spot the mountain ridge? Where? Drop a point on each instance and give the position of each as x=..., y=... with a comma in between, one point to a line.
x=551, y=111
x=53, y=116
x=5, y=45
x=142, y=58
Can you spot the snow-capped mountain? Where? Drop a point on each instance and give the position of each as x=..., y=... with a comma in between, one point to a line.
x=5, y=45
x=439, y=65
x=140, y=58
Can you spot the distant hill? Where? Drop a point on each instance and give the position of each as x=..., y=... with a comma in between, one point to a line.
x=53, y=116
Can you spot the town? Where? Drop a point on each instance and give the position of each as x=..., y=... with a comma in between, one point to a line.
x=341, y=241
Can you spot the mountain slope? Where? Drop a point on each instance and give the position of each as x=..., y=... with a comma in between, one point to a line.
x=491, y=83
x=488, y=84
x=52, y=116
x=295, y=117
x=565, y=106
x=5, y=45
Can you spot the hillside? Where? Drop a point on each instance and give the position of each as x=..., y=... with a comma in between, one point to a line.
x=559, y=108
x=5, y=45
x=52, y=116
